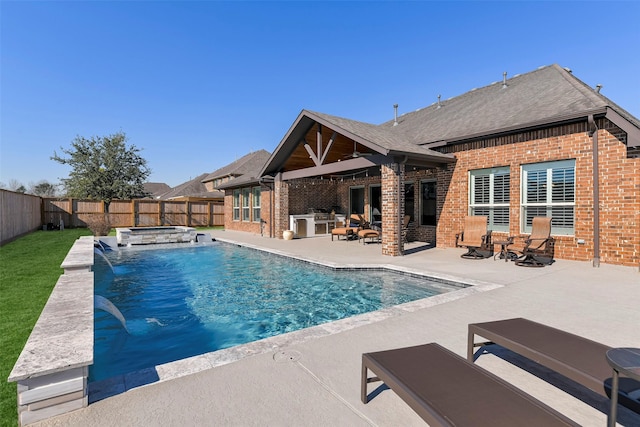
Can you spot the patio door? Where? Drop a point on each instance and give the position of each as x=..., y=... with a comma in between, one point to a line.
x=356, y=200
x=375, y=203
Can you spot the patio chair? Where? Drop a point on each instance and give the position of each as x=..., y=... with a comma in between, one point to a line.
x=577, y=358
x=365, y=231
x=405, y=228
x=350, y=230
x=538, y=247
x=476, y=238
x=446, y=390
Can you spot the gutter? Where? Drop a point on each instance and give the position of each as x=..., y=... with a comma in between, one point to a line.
x=593, y=133
x=400, y=197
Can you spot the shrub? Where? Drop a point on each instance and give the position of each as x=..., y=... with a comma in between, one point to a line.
x=99, y=224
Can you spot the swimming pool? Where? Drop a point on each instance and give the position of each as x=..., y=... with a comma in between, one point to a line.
x=183, y=302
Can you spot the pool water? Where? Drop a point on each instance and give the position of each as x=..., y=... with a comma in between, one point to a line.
x=188, y=301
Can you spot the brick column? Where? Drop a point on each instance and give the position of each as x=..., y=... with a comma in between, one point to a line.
x=392, y=208
x=281, y=208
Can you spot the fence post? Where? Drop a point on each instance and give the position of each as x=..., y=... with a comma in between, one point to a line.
x=188, y=208
x=133, y=213
x=71, y=220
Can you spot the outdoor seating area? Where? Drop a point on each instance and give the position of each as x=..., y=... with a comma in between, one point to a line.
x=537, y=248
x=357, y=228
x=445, y=390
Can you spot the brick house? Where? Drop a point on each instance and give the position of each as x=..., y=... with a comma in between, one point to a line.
x=518, y=148
x=244, y=207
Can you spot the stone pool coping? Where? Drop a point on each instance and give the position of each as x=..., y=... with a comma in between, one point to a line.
x=52, y=369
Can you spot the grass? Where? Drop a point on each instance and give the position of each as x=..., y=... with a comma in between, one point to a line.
x=29, y=269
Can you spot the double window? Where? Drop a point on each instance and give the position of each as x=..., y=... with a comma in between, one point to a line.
x=246, y=204
x=489, y=196
x=548, y=189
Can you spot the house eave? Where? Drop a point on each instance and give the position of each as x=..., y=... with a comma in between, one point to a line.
x=550, y=121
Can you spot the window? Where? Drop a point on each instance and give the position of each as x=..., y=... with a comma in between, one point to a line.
x=489, y=196
x=428, y=202
x=256, y=204
x=236, y=205
x=246, y=207
x=548, y=189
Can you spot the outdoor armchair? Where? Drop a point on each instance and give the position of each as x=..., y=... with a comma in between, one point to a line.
x=476, y=238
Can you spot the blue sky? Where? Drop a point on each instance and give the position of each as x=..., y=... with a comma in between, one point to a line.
x=198, y=84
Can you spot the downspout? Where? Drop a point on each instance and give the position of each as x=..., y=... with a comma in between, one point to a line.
x=400, y=194
x=593, y=133
x=263, y=180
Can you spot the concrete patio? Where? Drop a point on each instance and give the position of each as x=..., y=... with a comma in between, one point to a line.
x=312, y=379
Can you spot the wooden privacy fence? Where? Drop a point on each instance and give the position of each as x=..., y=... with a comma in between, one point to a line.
x=19, y=214
x=135, y=213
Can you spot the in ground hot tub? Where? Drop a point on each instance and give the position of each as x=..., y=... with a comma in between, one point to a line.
x=155, y=235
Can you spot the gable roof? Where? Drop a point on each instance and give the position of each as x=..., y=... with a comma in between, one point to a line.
x=547, y=95
x=248, y=164
x=191, y=188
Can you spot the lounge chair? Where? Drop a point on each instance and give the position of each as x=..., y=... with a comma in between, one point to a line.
x=475, y=238
x=350, y=230
x=577, y=358
x=365, y=231
x=446, y=390
x=538, y=247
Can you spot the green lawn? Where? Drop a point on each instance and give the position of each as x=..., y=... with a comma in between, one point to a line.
x=29, y=269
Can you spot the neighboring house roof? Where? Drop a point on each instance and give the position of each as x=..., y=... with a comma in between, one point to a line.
x=192, y=188
x=248, y=164
x=156, y=188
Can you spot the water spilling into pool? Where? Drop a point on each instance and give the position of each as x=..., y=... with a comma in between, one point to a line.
x=184, y=302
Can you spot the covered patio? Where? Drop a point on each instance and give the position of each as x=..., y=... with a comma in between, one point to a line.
x=349, y=167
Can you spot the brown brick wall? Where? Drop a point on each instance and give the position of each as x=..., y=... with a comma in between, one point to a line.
x=248, y=226
x=392, y=180
x=619, y=187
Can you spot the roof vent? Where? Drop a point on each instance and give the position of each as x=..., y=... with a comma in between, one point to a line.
x=568, y=70
x=598, y=87
x=504, y=80
x=395, y=114
x=439, y=105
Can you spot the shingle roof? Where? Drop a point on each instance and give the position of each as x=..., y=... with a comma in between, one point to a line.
x=191, y=188
x=156, y=188
x=248, y=164
x=540, y=96
x=379, y=136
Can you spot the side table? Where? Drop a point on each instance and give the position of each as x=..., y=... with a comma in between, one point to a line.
x=625, y=361
x=505, y=253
